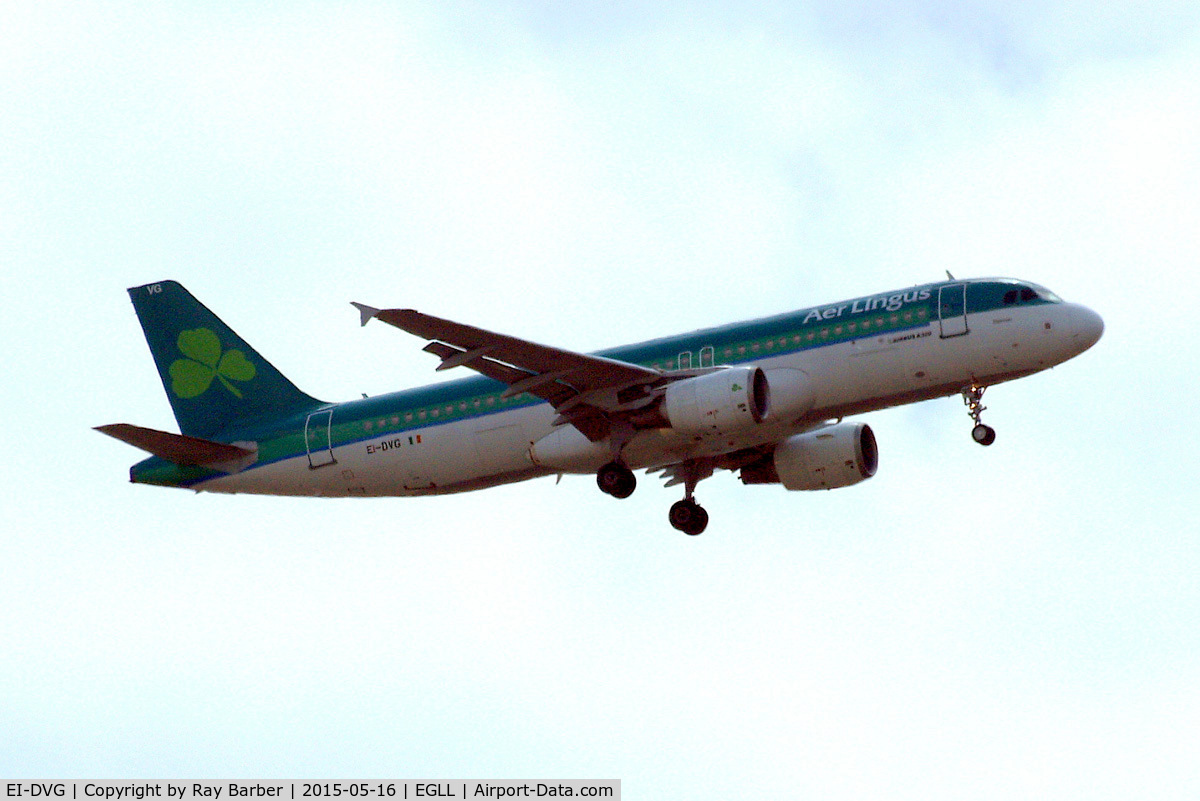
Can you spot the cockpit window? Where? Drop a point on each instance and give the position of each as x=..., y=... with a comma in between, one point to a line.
x=1047, y=295
x=1026, y=294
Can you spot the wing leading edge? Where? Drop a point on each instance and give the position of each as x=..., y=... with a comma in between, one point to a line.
x=589, y=392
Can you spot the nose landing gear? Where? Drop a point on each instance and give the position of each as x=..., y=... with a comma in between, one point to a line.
x=984, y=435
x=973, y=398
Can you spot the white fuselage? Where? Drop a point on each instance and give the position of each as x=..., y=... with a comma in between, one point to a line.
x=848, y=377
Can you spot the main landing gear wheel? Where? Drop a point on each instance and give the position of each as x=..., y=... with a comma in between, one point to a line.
x=616, y=479
x=973, y=397
x=688, y=516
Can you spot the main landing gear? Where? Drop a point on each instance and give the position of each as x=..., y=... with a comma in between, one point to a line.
x=973, y=398
x=616, y=480
x=687, y=516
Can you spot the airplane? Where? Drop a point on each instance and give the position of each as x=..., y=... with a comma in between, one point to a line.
x=767, y=398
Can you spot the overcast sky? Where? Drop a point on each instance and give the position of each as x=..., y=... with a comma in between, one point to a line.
x=1010, y=623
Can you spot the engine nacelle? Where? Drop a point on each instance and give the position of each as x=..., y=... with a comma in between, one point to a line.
x=720, y=402
x=830, y=457
x=792, y=394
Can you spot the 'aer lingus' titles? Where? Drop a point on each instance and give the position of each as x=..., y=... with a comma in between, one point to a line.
x=889, y=303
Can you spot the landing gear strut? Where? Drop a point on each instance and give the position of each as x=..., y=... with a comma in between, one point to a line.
x=616, y=479
x=973, y=398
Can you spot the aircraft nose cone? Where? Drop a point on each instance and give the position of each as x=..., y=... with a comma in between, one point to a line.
x=1088, y=327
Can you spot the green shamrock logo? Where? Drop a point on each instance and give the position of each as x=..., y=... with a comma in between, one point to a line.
x=192, y=376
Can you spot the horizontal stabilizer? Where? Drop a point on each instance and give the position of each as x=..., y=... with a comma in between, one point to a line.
x=182, y=450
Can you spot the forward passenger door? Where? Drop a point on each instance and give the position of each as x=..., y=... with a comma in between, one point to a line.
x=952, y=310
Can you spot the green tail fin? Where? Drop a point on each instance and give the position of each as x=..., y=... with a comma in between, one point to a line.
x=212, y=377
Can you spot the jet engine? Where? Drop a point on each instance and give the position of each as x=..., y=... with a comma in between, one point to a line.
x=719, y=402
x=830, y=457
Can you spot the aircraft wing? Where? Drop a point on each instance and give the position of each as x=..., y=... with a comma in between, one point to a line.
x=585, y=390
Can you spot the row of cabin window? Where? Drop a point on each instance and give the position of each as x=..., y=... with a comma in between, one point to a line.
x=707, y=354
x=425, y=414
